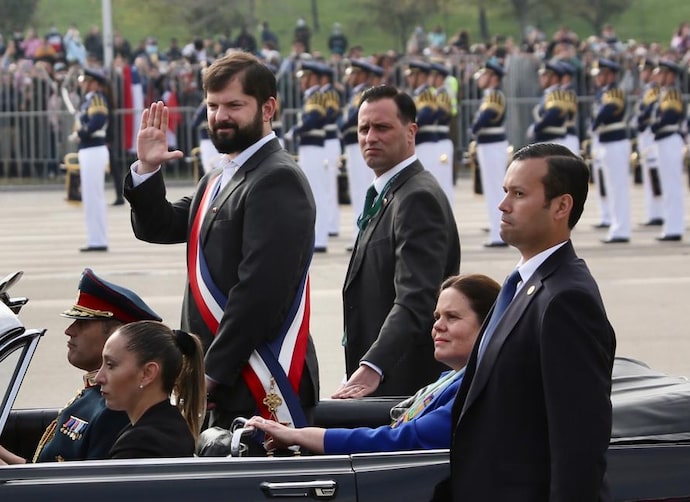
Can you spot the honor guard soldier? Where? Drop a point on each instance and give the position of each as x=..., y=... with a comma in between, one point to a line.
x=572, y=139
x=93, y=154
x=310, y=135
x=609, y=125
x=666, y=123
x=646, y=147
x=377, y=73
x=277, y=121
x=85, y=429
x=552, y=111
x=359, y=175
x=489, y=135
x=417, y=74
x=332, y=148
x=444, y=145
x=207, y=151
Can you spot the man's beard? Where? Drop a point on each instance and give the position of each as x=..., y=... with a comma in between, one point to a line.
x=243, y=137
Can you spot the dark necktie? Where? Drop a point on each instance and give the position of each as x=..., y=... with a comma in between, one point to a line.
x=505, y=296
x=366, y=215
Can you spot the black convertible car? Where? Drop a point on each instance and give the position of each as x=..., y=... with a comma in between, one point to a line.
x=649, y=457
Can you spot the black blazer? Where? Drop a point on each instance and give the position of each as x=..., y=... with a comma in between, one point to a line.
x=533, y=419
x=258, y=239
x=393, y=279
x=160, y=432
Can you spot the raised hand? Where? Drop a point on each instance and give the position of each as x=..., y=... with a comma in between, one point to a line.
x=152, y=142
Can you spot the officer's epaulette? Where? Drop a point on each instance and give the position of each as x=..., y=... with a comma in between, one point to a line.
x=650, y=95
x=556, y=99
x=494, y=100
x=614, y=97
x=426, y=99
x=671, y=99
x=356, y=100
x=332, y=99
x=570, y=97
x=443, y=101
x=315, y=103
x=97, y=105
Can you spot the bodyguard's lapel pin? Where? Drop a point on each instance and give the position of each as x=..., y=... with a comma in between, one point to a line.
x=530, y=290
x=214, y=209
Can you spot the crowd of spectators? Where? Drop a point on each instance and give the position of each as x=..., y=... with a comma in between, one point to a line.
x=34, y=66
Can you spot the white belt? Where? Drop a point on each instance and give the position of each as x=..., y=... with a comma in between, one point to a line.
x=491, y=131
x=616, y=126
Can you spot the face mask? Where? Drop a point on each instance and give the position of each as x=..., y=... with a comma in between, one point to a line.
x=151, y=49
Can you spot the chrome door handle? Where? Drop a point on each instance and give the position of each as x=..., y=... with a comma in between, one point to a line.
x=320, y=490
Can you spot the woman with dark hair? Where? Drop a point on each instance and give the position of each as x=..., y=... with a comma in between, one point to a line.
x=144, y=364
x=424, y=420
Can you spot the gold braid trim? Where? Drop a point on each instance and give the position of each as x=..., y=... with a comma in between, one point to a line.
x=47, y=436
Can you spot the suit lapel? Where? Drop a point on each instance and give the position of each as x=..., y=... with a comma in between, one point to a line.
x=510, y=318
x=237, y=179
x=366, y=235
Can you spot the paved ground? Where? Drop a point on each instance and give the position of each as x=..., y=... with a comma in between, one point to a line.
x=645, y=284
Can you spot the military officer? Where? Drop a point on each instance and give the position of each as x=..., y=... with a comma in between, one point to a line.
x=552, y=111
x=567, y=86
x=492, y=146
x=614, y=147
x=444, y=145
x=332, y=148
x=417, y=75
x=359, y=175
x=310, y=134
x=666, y=123
x=646, y=147
x=86, y=429
x=93, y=154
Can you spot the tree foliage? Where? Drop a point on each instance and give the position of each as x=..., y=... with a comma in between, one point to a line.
x=16, y=15
x=597, y=12
x=399, y=17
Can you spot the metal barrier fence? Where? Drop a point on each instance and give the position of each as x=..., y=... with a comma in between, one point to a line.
x=34, y=124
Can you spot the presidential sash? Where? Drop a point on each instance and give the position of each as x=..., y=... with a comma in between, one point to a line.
x=274, y=370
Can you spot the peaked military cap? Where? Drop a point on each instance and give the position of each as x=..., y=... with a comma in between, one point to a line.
x=376, y=70
x=440, y=68
x=417, y=66
x=494, y=65
x=605, y=63
x=646, y=63
x=567, y=67
x=667, y=64
x=310, y=67
x=96, y=74
x=99, y=299
x=552, y=66
x=358, y=64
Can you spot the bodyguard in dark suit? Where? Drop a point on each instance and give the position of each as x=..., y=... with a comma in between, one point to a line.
x=533, y=413
x=407, y=244
x=249, y=230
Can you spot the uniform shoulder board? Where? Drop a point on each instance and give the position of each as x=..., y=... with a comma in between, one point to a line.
x=614, y=97
x=672, y=99
x=356, y=100
x=443, y=101
x=555, y=99
x=315, y=103
x=570, y=100
x=650, y=95
x=426, y=99
x=494, y=101
x=333, y=99
x=97, y=105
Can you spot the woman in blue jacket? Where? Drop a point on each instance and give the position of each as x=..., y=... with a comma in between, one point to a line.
x=424, y=420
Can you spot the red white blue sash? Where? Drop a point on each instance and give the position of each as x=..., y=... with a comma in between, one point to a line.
x=274, y=370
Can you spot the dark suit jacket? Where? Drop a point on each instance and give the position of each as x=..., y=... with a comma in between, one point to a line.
x=258, y=239
x=393, y=279
x=533, y=419
x=160, y=432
